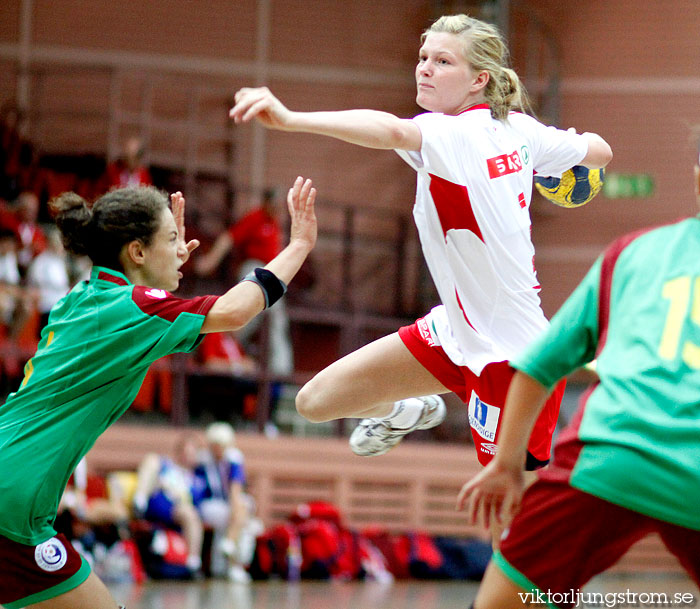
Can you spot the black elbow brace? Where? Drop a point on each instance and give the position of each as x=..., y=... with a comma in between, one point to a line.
x=272, y=288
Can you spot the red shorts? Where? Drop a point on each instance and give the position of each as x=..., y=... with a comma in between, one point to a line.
x=30, y=574
x=484, y=395
x=562, y=537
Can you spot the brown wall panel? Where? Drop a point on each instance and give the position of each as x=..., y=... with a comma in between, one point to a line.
x=216, y=28
x=623, y=38
x=8, y=80
x=363, y=33
x=9, y=20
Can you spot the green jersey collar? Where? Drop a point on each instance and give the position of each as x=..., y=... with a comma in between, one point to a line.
x=105, y=274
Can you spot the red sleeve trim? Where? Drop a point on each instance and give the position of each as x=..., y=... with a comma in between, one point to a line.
x=159, y=303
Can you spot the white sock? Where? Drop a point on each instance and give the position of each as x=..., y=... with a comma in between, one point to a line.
x=405, y=413
x=194, y=562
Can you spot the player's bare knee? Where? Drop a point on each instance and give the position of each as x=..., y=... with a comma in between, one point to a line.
x=309, y=404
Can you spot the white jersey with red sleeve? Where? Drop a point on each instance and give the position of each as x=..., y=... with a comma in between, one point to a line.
x=472, y=212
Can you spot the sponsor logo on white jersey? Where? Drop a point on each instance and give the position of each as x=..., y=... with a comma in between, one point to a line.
x=155, y=293
x=50, y=555
x=483, y=417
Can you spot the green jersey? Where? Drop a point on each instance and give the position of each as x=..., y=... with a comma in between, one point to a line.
x=636, y=438
x=88, y=367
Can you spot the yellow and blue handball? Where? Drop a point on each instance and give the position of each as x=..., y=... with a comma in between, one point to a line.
x=576, y=187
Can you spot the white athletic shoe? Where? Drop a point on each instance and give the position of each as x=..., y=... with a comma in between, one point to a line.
x=238, y=575
x=374, y=437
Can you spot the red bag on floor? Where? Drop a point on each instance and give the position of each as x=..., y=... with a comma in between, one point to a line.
x=396, y=555
x=277, y=552
x=316, y=510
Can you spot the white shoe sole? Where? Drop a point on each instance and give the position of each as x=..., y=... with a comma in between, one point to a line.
x=374, y=437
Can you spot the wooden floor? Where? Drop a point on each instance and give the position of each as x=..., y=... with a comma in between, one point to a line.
x=370, y=595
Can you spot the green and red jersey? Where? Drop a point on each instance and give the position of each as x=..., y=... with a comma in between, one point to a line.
x=635, y=440
x=89, y=365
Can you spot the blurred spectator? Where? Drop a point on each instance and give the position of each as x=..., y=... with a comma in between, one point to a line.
x=129, y=170
x=16, y=153
x=156, y=388
x=21, y=217
x=224, y=505
x=48, y=273
x=88, y=508
x=8, y=219
x=224, y=385
x=255, y=240
x=96, y=523
x=163, y=494
x=16, y=303
x=256, y=237
x=9, y=275
x=14, y=307
x=31, y=236
x=221, y=352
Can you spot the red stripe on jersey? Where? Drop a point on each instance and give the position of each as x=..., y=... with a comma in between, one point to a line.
x=568, y=446
x=610, y=258
x=454, y=208
x=160, y=303
x=113, y=278
x=459, y=302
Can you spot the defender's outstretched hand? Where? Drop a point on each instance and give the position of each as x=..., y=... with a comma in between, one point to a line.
x=177, y=201
x=492, y=496
x=300, y=202
x=261, y=104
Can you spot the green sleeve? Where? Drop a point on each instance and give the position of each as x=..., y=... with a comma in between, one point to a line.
x=572, y=338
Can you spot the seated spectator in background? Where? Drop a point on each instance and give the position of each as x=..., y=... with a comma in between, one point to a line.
x=223, y=504
x=163, y=495
x=255, y=239
x=81, y=510
x=31, y=236
x=13, y=150
x=95, y=510
x=9, y=276
x=15, y=308
x=129, y=170
x=8, y=219
x=224, y=384
x=20, y=216
x=221, y=352
x=48, y=274
x=16, y=303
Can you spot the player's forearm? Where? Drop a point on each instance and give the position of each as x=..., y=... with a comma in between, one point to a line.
x=288, y=262
x=368, y=128
x=525, y=400
x=245, y=300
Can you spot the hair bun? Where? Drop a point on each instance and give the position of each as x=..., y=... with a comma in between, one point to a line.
x=73, y=218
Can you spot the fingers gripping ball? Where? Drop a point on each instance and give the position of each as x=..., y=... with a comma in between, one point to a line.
x=576, y=187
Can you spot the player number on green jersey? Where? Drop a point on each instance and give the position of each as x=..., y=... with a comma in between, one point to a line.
x=678, y=293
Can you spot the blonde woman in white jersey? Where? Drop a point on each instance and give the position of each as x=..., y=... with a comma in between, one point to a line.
x=475, y=156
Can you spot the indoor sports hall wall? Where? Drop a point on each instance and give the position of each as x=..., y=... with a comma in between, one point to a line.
x=631, y=72
x=91, y=72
